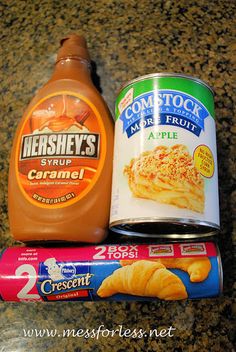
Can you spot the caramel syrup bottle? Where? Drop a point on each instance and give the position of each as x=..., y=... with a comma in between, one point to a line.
x=61, y=161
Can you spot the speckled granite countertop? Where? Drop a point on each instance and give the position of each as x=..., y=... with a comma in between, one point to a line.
x=126, y=39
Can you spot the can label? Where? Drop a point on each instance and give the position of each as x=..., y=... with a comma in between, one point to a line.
x=112, y=272
x=60, y=150
x=165, y=160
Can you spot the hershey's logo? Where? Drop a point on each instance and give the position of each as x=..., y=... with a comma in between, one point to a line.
x=82, y=145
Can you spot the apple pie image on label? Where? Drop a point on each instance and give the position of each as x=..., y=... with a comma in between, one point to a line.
x=167, y=175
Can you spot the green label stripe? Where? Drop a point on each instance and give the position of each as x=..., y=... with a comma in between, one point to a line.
x=182, y=84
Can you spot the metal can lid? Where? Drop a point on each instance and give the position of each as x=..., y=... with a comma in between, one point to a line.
x=174, y=228
x=166, y=74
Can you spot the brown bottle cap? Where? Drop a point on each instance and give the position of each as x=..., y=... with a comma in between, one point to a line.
x=73, y=46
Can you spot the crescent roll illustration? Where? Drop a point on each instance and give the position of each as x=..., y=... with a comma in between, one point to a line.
x=197, y=268
x=144, y=278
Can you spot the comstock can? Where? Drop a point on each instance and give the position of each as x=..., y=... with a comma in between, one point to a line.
x=165, y=271
x=165, y=181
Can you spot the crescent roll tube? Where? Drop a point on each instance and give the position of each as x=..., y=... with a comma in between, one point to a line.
x=171, y=271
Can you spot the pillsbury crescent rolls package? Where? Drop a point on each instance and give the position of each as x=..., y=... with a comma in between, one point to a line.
x=172, y=271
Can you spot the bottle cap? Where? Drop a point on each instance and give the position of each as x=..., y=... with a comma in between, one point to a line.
x=73, y=46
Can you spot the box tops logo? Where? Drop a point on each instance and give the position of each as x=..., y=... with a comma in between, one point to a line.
x=193, y=249
x=164, y=107
x=161, y=250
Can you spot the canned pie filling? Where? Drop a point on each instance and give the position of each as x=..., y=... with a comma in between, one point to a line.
x=165, y=180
